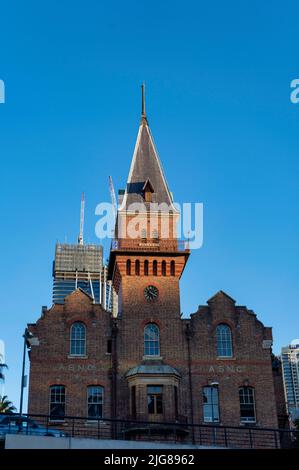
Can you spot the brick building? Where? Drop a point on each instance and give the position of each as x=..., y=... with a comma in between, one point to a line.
x=149, y=363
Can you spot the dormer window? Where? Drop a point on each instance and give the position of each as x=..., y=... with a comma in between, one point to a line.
x=148, y=190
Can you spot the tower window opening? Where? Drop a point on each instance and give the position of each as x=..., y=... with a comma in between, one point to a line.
x=137, y=267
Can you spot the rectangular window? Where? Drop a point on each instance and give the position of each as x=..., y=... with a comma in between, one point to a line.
x=151, y=340
x=155, y=399
x=95, y=395
x=247, y=405
x=57, y=402
x=210, y=397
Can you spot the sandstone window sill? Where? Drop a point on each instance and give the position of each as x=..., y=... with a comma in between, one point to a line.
x=152, y=358
x=248, y=424
x=219, y=358
x=70, y=356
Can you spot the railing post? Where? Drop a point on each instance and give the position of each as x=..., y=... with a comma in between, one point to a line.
x=214, y=435
x=73, y=427
x=250, y=438
x=275, y=439
x=98, y=428
x=225, y=437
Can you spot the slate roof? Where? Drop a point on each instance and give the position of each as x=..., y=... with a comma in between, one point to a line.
x=146, y=166
x=151, y=369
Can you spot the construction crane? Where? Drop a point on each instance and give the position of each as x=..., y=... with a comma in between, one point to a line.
x=80, y=238
x=114, y=203
x=113, y=197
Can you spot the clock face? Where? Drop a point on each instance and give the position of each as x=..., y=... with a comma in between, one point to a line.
x=151, y=293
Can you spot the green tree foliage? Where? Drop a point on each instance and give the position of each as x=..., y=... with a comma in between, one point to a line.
x=6, y=406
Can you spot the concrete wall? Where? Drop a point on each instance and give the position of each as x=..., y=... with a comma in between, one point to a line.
x=14, y=441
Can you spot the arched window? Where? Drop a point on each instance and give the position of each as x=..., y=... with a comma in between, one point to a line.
x=247, y=405
x=146, y=267
x=163, y=268
x=78, y=339
x=155, y=268
x=224, y=341
x=128, y=267
x=172, y=268
x=151, y=340
x=137, y=267
x=57, y=402
x=95, y=401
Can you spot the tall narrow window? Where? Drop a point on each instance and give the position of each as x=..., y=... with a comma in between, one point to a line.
x=57, y=402
x=155, y=234
x=224, y=341
x=143, y=233
x=78, y=339
x=247, y=405
x=137, y=267
x=151, y=340
x=146, y=268
x=155, y=268
x=95, y=398
x=128, y=267
x=172, y=268
x=210, y=397
x=163, y=268
x=155, y=399
x=133, y=401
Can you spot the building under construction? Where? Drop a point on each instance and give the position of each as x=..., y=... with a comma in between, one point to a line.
x=81, y=266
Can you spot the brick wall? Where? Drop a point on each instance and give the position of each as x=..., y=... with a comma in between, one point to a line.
x=250, y=365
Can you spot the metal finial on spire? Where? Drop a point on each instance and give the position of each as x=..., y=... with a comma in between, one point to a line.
x=80, y=238
x=143, y=100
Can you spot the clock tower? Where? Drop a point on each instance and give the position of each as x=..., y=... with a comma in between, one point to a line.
x=145, y=265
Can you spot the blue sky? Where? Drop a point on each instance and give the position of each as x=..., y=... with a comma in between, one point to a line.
x=218, y=99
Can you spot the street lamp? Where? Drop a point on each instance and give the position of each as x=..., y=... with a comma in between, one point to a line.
x=27, y=335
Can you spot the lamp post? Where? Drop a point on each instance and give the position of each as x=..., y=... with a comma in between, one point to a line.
x=26, y=337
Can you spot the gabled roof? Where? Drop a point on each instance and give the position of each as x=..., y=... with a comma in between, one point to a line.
x=146, y=167
x=78, y=291
x=148, y=185
x=220, y=294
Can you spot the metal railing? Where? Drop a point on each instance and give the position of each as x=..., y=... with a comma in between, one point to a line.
x=205, y=435
x=160, y=245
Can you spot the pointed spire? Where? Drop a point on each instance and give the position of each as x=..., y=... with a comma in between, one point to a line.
x=80, y=238
x=146, y=174
x=143, y=113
